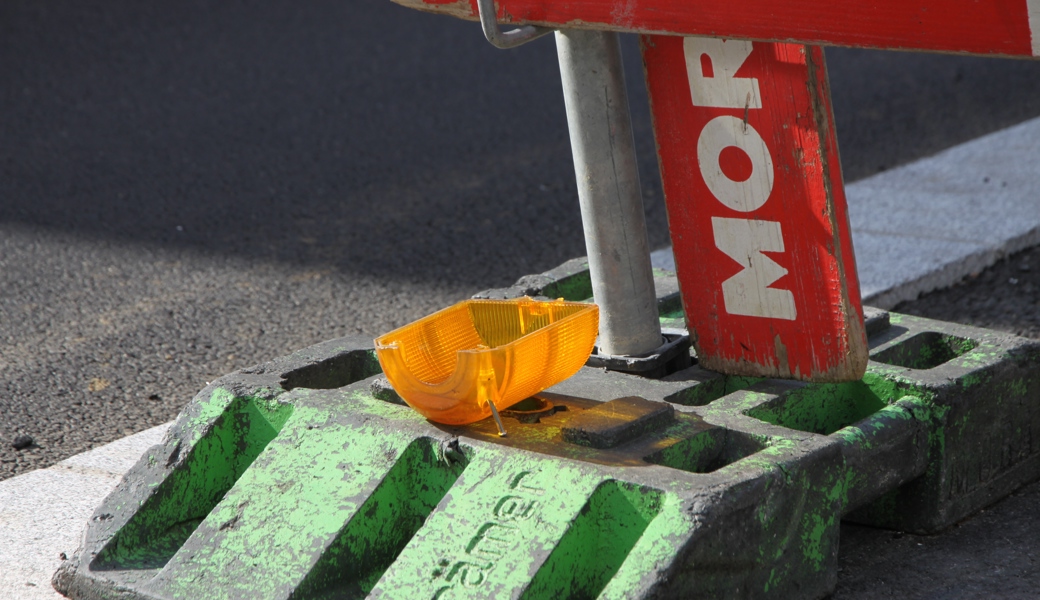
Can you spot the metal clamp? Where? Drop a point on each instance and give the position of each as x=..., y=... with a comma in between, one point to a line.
x=505, y=39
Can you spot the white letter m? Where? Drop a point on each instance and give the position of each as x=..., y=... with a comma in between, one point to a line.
x=748, y=292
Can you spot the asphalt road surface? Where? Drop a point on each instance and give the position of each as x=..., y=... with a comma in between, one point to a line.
x=189, y=187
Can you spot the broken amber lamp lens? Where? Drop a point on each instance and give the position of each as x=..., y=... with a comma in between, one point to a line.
x=450, y=365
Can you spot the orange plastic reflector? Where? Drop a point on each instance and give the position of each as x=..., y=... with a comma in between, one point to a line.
x=451, y=364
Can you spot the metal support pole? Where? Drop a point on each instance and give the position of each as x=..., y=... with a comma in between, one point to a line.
x=608, y=191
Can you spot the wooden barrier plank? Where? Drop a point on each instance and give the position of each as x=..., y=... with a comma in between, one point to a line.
x=991, y=27
x=756, y=206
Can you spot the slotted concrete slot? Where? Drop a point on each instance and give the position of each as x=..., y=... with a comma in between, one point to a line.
x=387, y=521
x=926, y=350
x=169, y=517
x=597, y=542
x=708, y=387
x=826, y=408
x=709, y=451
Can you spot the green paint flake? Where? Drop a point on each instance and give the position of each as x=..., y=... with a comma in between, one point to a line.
x=980, y=357
x=766, y=459
x=773, y=579
x=1018, y=388
x=973, y=379
x=839, y=492
x=814, y=528
x=854, y=436
x=818, y=525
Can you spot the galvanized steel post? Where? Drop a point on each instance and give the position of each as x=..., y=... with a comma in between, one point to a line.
x=608, y=191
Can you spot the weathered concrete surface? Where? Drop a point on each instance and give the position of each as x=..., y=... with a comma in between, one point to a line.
x=971, y=392
x=617, y=421
x=981, y=390
x=178, y=526
x=989, y=555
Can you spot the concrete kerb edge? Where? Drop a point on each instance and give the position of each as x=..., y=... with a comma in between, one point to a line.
x=952, y=272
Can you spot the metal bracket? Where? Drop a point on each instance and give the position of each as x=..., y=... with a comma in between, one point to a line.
x=672, y=355
x=505, y=39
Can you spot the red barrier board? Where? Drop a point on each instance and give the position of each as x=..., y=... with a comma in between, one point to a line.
x=756, y=206
x=996, y=27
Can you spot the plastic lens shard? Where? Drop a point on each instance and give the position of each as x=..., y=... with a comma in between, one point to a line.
x=451, y=365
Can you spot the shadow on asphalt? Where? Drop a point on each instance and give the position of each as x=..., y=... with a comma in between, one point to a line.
x=366, y=137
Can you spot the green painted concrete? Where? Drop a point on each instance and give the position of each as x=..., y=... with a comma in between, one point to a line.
x=241, y=428
x=826, y=408
x=708, y=451
x=506, y=515
x=315, y=493
x=597, y=542
x=926, y=350
x=575, y=288
x=325, y=509
x=712, y=389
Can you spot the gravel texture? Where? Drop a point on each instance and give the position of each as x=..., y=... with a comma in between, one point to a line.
x=992, y=554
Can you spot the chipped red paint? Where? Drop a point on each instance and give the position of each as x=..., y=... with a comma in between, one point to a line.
x=1000, y=27
x=756, y=207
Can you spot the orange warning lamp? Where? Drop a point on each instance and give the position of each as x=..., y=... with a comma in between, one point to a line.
x=452, y=365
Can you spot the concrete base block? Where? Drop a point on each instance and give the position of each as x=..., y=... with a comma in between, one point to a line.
x=306, y=478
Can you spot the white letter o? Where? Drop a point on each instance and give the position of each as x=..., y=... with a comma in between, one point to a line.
x=722, y=132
